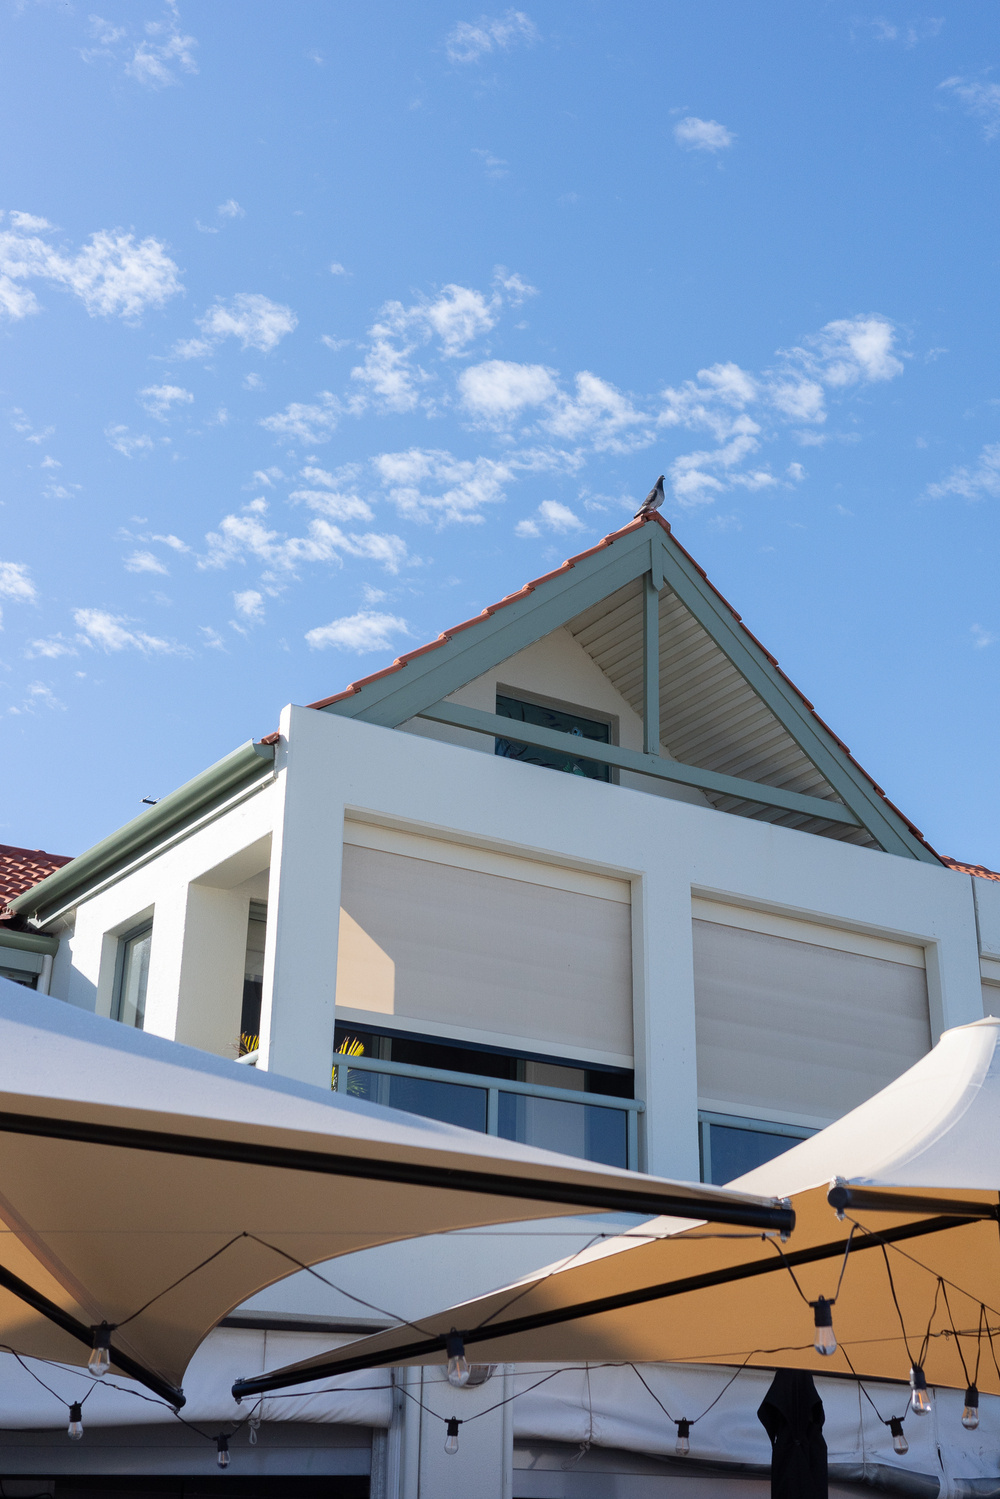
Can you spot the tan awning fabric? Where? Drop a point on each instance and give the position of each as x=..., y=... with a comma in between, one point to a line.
x=127, y=1161
x=709, y=1295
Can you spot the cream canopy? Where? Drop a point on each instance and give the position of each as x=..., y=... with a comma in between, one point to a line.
x=153, y=1188
x=922, y=1165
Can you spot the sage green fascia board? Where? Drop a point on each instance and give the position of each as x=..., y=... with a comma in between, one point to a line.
x=249, y=762
x=694, y=591
x=404, y=694
x=624, y=759
x=28, y=942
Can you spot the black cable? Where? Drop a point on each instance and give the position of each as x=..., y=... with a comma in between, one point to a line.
x=187, y=1274
x=958, y=1341
x=310, y=1270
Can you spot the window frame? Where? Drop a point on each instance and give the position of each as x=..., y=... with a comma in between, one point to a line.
x=124, y=939
x=708, y=1117
x=576, y=710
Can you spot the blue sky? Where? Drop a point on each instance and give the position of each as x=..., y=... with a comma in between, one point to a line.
x=323, y=326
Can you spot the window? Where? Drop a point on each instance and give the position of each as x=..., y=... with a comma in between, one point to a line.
x=253, y=978
x=132, y=975
x=563, y=722
x=731, y=1146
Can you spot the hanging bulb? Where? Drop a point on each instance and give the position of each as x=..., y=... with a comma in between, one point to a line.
x=899, y=1442
x=254, y=1424
x=451, y=1440
x=970, y=1412
x=75, y=1428
x=823, y=1339
x=920, y=1401
x=458, y=1364
x=222, y=1443
x=683, y=1446
x=100, y=1359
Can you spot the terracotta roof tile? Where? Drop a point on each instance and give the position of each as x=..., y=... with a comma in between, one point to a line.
x=20, y=868
x=979, y=870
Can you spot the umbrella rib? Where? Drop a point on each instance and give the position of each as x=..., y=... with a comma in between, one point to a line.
x=613, y=1198
x=79, y=1330
x=262, y=1383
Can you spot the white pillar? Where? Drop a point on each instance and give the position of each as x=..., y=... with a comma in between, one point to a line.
x=303, y=905
x=210, y=987
x=479, y=1465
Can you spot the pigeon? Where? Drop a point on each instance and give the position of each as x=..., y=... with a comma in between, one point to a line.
x=653, y=500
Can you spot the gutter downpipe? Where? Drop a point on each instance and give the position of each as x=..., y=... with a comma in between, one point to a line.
x=246, y=764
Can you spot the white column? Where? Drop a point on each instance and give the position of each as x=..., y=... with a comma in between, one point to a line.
x=478, y=1465
x=666, y=1064
x=303, y=905
x=210, y=988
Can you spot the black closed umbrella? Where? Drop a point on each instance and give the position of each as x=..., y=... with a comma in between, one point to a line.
x=792, y=1415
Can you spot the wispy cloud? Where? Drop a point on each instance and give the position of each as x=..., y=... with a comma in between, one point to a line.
x=112, y=274
x=702, y=135
x=429, y=484
x=231, y=210
x=159, y=400
x=976, y=481
x=144, y=562
x=361, y=632
x=247, y=535
x=249, y=605
x=16, y=583
x=550, y=516
x=255, y=320
x=110, y=632
x=155, y=60
x=304, y=423
x=880, y=29
x=981, y=638
x=981, y=100
x=129, y=444
x=470, y=41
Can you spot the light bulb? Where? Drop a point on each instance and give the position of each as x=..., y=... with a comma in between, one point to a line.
x=75, y=1428
x=899, y=1442
x=451, y=1440
x=683, y=1446
x=823, y=1339
x=458, y=1364
x=100, y=1361
x=222, y=1443
x=920, y=1401
x=970, y=1412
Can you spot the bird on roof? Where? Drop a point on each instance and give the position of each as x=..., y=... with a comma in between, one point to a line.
x=653, y=500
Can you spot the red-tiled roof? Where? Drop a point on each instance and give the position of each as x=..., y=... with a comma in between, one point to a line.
x=979, y=870
x=571, y=562
x=20, y=868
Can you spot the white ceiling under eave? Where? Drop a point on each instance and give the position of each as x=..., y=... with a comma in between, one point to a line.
x=709, y=716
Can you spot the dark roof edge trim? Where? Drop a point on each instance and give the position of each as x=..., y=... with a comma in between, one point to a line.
x=248, y=763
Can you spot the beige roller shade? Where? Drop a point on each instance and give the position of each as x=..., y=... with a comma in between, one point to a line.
x=800, y=1028
x=425, y=941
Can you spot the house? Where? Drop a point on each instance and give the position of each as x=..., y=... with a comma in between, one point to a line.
x=25, y=955
x=708, y=934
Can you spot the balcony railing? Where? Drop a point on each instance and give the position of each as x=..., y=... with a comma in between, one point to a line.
x=592, y=1126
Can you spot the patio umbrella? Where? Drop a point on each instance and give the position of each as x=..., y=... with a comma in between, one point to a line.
x=914, y=1261
x=146, y=1188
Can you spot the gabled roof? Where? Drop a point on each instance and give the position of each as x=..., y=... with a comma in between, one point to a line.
x=726, y=707
x=20, y=869
x=979, y=870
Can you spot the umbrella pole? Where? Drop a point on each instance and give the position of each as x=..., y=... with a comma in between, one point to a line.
x=83, y=1334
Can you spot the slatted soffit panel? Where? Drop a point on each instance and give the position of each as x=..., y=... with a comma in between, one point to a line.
x=726, y=713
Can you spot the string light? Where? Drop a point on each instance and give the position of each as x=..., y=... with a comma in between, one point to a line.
x=222, y=1444
x=100, y=1359
x=75, y=1428
x=451, y=1440
x=920, y=1401
x=683, y=1446
x=899, y=1442
x=458, y=1364
x=970, y=1412
x=254, y=1424
x=824, y=1341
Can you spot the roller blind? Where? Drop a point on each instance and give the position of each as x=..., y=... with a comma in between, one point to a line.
x=801, y=1028
x=425, y=941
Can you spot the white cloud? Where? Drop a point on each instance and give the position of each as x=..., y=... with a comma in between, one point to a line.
x=112, y=274
x=246, y=535
x=55, y=645
x=174, y=542
x=255, y=320
x=124, y=442
x=154, y=62
x=359, y=632
x=852, y=349
x=795, y=472
x=981, y=100
x=702, y=135
x=144, y=562
x=159, y=400
x=252, y=382
x=501, y=388
x=553, y=516
x=250, y=604
x=600, y=414
x=458, y=487
x=972, y=482
x=982, y=638
x=493, y=166
x=50, y=462
x=336, y=269
x=27, y=221
x=110, y=631
x=472, y=40
x=388, y=374
x=16, y=584
x=231, y=210
x=303, y=423
x=211, y=639
x=335, y=505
